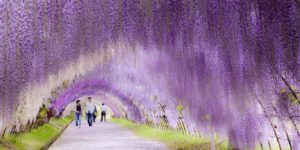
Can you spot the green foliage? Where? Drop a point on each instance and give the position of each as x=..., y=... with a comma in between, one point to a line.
x=65, y=83
x=180, y=109
x=43, y=112
x=173, y=139
x=293, y=99
x=49, y=100
x=38, y=137
x=289, y=93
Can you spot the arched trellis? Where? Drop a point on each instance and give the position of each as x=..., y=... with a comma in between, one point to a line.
x=249, y=40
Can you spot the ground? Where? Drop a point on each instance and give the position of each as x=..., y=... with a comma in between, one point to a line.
x=106, y=135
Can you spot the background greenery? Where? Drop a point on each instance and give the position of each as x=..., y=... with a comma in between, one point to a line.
x=37, y=138
x=175, y=140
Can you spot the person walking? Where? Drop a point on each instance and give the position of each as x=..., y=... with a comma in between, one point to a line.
x=90, y=106
x=78, y=114
x=103, y=112
x=95, y=114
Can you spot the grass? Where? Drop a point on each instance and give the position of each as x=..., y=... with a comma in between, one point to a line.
x=175, y=140
x=2, y=148
x=37, y=138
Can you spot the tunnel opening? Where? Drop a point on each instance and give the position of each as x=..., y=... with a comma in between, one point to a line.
x=112, y=110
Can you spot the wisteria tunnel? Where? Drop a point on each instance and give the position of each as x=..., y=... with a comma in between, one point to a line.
x=225, y=67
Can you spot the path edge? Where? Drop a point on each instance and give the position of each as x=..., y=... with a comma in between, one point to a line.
x=46, y=146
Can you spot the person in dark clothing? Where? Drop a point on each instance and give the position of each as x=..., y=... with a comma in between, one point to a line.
x=78, y=113
x=103, y=112
x=95, y=114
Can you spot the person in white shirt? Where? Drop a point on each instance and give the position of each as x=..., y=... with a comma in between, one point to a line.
x=90, y=106
x=103, y=112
